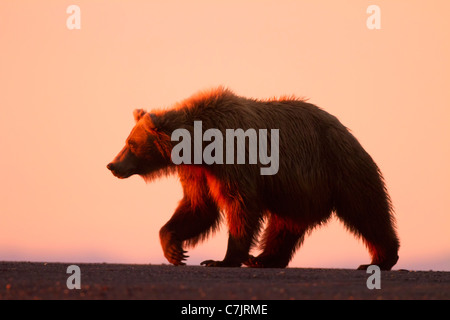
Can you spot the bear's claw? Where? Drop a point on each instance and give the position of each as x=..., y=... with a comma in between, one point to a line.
x=264, y=261
x=252, y=262
x=176, y=256
x=173, y=250
x=214, y=263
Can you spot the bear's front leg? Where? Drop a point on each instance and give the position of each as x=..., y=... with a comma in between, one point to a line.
x=243, y=227
x=172, y=247
x=237, y=253
x=190, y=223
x=279, y=243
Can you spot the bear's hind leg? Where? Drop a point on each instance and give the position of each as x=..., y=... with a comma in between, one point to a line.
x=374, y=223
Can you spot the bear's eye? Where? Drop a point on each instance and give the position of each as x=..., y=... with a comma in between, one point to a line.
x=132, y=145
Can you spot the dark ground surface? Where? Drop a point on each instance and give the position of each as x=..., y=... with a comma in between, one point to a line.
x=26, y=280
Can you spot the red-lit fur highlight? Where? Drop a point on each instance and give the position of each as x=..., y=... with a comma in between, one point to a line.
x=322, y=169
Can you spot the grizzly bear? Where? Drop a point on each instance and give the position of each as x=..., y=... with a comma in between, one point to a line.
x=321, y=168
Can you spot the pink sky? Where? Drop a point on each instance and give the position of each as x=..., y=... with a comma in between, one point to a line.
x=67, y=96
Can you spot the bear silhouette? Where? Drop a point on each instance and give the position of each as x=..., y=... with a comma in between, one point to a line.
x=321, y=170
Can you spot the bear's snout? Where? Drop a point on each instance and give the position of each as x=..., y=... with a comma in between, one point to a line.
x=118, y=170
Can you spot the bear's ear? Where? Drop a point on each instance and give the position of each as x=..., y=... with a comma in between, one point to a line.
x=149, y=123
x=138, y=114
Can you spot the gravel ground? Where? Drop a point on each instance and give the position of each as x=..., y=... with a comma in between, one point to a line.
x=30, y=280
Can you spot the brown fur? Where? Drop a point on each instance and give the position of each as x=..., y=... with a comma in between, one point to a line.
x=322, y=169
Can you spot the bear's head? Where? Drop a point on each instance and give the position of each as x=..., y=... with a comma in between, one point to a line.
x=146, y=149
